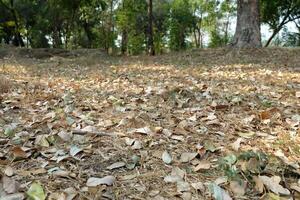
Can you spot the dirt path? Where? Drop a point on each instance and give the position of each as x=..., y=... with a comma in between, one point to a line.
x=184, y=126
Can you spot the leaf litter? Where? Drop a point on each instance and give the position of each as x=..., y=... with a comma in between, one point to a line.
x=165, y=128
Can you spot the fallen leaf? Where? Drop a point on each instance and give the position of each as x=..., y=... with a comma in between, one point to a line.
x=272, y=183
x=166, y=157
x=57, y=196
x=247, y=135
x=202, y=165
x=186, y=196
x=74, y=150
x=9, y=171
x=65, y=136
x=172, y=179
x=218, y=193
x=36, y=192
x=198, y=186
x=209, y=146
x=107, y=180
x=221, y=180
x=145, y=130
x=176, y=175
x=259, y=185
x=237, y=144
x=71, y=193
x=298, y=94
x=116, y=165
x=129, y=141
x=19, y=153
x=238, y=187
x=183, y=186
x=136, y=145
x=187, y=157
x=41, y=140
x=10, y=186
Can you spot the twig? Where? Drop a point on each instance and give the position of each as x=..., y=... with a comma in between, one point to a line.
x=97, y=133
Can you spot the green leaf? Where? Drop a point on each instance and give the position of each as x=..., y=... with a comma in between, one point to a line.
x=230, y=159
x=36, y=192
x=9, y=132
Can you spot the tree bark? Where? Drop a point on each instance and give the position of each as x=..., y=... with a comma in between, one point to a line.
x=247, y=33
x=124, y=42
x=151, y=49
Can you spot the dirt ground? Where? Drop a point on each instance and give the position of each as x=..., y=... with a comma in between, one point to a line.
x=201, y=124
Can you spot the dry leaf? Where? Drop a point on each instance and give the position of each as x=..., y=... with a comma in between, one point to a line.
x=166, y=157
x=116, y=165
x=236, y=145
x=198, y=186
x=19, y=153
x=259, y=185
x=74, y=150
x=183, y=186
x=202, y=165
x=65, y=136
x=273, y=184
x=145, y=130
x=218, y=192
x=107, y=180
x=9, y=185
x=238, y=187
x=42, y=141
x=187, y=157
x=9, y=171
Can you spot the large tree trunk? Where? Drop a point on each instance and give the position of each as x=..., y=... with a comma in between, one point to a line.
x=151, y=49
x=247, y=33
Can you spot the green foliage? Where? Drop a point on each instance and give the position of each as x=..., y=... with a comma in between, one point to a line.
x=227, y=164
x=254, y=162
x=180, y=23
x=217, y=40
x=123, y=24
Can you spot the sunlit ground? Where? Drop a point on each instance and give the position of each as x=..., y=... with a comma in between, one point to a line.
x=211, y=102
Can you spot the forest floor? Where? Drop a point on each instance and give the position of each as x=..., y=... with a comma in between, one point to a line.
x=202, y=124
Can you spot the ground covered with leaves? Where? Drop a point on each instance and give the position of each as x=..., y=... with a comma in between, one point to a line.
x=203, y=124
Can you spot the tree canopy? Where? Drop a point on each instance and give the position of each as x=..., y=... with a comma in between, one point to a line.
x=123, y=25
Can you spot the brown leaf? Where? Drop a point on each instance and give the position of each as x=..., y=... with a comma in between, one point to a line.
x=238, y=187
x=18, y=153
x=202, y=165
x=259, y=185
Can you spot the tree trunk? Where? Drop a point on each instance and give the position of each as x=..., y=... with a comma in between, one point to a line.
x=124, y=42
x=151, y=49
x=56, y=38
x=247, y=33
x=196, y=38
x=88, y=32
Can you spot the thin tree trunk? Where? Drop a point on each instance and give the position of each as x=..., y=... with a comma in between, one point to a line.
x=88, y=34
x=278, y=28
x=151, y=49
x=247, y=33
x=124, y=42
x=196, y=38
